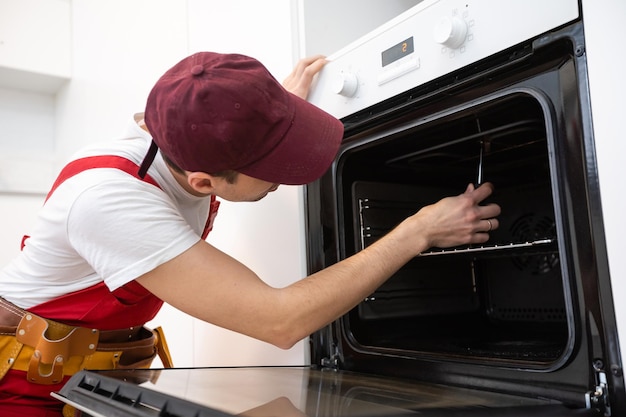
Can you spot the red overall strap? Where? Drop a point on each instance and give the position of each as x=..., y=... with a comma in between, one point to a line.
x=103, y=161
x=208, y=226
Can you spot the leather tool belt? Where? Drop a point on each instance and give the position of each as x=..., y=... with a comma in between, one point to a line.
x=48, y=350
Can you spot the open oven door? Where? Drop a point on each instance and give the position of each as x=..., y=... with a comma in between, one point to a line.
x=285, y=392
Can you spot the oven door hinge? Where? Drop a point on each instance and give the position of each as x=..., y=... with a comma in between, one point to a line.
x=599, y=397
x=332, y=361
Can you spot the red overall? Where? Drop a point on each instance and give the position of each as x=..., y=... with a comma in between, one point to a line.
x=94, y=307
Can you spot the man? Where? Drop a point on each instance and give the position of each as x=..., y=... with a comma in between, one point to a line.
x=123, y=229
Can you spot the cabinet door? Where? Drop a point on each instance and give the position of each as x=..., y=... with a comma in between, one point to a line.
x=35, y=44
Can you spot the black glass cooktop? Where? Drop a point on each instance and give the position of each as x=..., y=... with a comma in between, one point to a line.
x=280, y=391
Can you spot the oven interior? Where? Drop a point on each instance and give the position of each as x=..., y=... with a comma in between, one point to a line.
x=502, y=301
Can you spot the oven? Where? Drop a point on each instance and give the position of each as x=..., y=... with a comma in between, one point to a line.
x=448, y=93
x=458, y=92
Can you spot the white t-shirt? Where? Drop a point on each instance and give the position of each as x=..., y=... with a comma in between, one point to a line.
x=105, y=225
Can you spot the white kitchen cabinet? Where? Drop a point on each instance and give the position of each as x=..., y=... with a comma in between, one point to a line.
x=35, y=61
x=35, y=44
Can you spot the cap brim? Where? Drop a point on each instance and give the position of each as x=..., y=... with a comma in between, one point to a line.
x=306, y=151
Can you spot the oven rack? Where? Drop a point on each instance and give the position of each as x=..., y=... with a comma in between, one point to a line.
x=534, y=247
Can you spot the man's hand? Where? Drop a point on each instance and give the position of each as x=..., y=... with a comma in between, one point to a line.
x=300, y=79
x=458, y=220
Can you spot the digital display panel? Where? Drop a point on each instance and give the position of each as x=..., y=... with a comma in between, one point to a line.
x=398, y=51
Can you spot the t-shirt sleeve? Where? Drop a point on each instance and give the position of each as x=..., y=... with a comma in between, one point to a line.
x=125, y=229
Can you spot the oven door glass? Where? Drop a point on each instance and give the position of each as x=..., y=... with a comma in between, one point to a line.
x=283, y=391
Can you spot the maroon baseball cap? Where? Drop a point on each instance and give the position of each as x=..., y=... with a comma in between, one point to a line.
x=213, y=112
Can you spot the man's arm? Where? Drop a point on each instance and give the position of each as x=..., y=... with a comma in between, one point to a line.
x=212, y=286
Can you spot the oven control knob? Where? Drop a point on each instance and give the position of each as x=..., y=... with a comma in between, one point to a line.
x=345, y=84
x=450, y=31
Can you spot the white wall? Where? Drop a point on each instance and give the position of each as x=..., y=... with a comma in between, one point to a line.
x=268, y=235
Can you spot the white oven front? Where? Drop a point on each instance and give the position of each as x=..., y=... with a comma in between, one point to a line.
x=434, y=38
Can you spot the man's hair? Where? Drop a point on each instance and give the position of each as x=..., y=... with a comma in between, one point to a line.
x=229, y=175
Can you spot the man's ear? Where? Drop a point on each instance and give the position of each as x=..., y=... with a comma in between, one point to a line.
x=202, y=182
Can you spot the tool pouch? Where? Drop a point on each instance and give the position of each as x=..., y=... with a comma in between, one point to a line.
x=53, y=343
x=48, y=350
